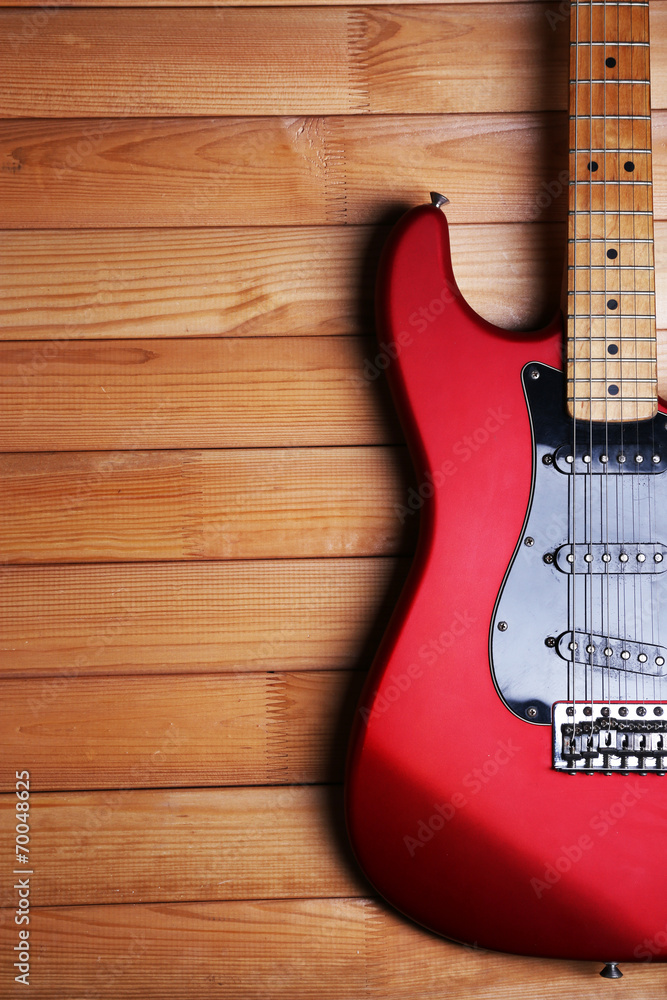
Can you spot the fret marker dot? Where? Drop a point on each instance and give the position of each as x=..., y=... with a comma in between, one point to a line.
x=629, y=166
x=612, y=349
x=612, y=304
x=612, y=254
x=592, y=166
x=613, y=390
x=610, y=62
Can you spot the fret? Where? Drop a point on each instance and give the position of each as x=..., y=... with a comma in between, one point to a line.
x=626, y=343
x=599, y=370
x=607, y=292
x=647, y=241
x=626, y=328
x=609, y=267
x=630, y=118
x=612, y=410
x=610, y=227
x=622, y=101
x=612, y=183
x=628, y=212
x=612, y=132
x=581, y=311
x=606, y=44
x=632, y=165
x=612, y=282
x=598, y=349
x=607, y=82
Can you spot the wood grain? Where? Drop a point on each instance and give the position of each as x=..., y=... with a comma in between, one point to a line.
x=213, y=393
x=64, y=622
x=262, y=171
x=128, y=845
x=261, y=503
x=159, y=172
x=245, y=61
x=256, y=392
x=139, y=732
x=69, y=285
x=64, y=285
x=316, y=949
x=259, y=281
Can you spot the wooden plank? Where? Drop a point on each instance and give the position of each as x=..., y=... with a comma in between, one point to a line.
x=64, y=622
x=81, y=173
x=327, y=60
x=259, y=281
x=137, y=732
x=258, y=392
x=347, y=169
x=212, y=393
x=185, y=61
x=130, y=845
x=256, y=281
x=315, y=949
x=261, y=503
x=31, y=20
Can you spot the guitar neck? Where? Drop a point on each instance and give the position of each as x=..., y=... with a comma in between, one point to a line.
x=611, y=337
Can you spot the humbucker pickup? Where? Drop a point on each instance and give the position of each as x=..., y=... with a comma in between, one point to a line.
x=610, y=737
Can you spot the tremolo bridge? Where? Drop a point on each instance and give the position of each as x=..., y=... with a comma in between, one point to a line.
x=609, y=738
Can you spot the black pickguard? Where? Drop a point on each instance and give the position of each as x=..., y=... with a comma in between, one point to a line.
x=588, y=566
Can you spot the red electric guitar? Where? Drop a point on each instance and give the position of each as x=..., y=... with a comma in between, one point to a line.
x=530, y=643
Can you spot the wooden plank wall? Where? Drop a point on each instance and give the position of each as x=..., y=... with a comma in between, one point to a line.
x=201, y=468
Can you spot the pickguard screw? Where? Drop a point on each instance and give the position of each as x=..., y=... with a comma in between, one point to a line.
x=531, y=712
x=547, y=459
x=529, y=541
x=502, y=626
x=534, y=373
x=550, y=641
x=548, y=557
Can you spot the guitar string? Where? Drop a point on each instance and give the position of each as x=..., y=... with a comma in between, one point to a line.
x=656, y=579
x=605, y=627
x=572, y=671
x=588, y=478
x=637, y=508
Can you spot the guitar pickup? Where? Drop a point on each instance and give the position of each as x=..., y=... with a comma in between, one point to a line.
x=610, y=653
x=612, y=558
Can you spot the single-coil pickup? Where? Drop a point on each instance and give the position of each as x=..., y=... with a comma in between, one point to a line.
x=612, y=557
x=612, y=653
x=606, y=459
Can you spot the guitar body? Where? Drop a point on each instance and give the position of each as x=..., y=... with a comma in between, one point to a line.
x=454, y=808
